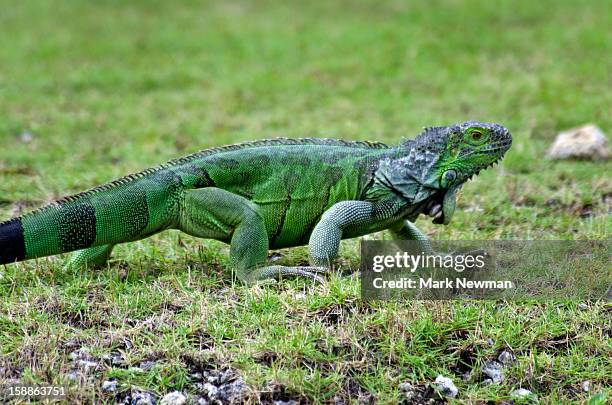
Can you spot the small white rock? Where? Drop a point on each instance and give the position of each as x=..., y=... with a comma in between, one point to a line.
x=173, y=398
x=446, y=387
x=338, y=400
x=146, y=365
x=407, y=389
x=582, y=306
x=109, y=386
x=586, y=386
x=26, y=137
x=522, y=393
x=80, y=354
x=87, y=365
x=114, y=359
x=585, y=142
x=211, y=390
x=405, y=386
x=73, y=375
x=506, y=358
x=493, y=370
x=142, y=398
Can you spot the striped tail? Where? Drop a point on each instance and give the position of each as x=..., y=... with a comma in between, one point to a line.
x=122, y=211
x=12, y=243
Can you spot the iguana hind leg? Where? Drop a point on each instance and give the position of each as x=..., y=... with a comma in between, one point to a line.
x=91, y=257
x=219, y=214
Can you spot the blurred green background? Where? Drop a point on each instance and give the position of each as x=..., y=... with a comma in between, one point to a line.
x=90, y=91
x=113, y=87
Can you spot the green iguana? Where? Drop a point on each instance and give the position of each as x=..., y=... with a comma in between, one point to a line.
x=267, y=194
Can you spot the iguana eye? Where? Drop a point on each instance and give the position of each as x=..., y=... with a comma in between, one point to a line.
x=476, y=136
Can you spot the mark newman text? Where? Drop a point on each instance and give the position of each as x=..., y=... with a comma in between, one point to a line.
x=427, y=283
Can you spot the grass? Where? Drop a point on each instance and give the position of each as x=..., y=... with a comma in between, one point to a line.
x=90, y=92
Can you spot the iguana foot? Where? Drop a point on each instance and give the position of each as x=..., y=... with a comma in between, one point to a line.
x=471, y=253
x=276, y=272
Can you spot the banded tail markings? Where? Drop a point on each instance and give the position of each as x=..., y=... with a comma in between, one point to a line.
x=77, y=226
x=12, y=242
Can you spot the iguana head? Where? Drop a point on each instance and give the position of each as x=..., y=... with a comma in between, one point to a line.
x=430, y=169
x=468, y=148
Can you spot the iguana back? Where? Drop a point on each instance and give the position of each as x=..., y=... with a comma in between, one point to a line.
x=292, y=185
x=288, y=177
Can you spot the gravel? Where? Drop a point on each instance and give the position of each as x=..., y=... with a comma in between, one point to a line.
x=80, y=354
x=173, y=398
x=109, y=386
x=114, y=359
x=522, y=393
x=141, y=398
x=493, y=370
x=221, y=385
x=446, y=387
x=146, y=365
x=506, y=358
x=73, y=375
x=586, y=386
x=407, y=389
x=87, y=365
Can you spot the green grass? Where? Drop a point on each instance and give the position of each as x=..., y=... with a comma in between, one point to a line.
x=111, y=87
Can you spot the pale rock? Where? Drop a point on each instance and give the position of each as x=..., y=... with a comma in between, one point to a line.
x=446, y=387
x=109, y=386
x=522, y=393
x=142, y=398
x=586, y=386
x=493, y=370
x=407, y=389
x=585, y=142
x=173, y=398
x=506, y=358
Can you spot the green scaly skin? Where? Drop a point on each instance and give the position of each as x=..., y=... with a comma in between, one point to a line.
x=268, y=194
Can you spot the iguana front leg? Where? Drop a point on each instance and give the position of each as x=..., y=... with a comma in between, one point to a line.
x=327, y=234
x=345, y=215
x=219, y=214
x=409, y=231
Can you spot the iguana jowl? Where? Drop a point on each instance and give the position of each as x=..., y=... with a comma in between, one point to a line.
x=267, y=194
